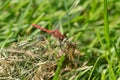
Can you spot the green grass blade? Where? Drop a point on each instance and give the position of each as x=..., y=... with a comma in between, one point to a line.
x=23, y=15
x=59, y=68
x=93, y=68
x=103, y=75
x=5, y=4
x=106, y=25
x=107, y=38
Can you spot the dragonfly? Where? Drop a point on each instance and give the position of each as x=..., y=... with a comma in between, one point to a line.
x=55, y=33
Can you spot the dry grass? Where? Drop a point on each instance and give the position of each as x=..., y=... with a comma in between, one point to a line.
x=37, y=59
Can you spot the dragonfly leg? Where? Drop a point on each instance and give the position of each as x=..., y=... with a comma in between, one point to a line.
x=61, y=45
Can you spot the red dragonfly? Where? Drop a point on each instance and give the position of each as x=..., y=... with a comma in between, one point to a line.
x=54, y=33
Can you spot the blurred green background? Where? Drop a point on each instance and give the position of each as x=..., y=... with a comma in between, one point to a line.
x=82, y=20
x=77, y=18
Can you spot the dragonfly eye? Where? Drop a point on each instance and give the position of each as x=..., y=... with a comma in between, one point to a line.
x=63, y=38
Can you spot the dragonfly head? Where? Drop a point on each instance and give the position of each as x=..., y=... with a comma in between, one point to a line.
x=63, y=38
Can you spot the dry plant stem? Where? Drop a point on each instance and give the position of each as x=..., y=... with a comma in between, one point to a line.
x=21, y=51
